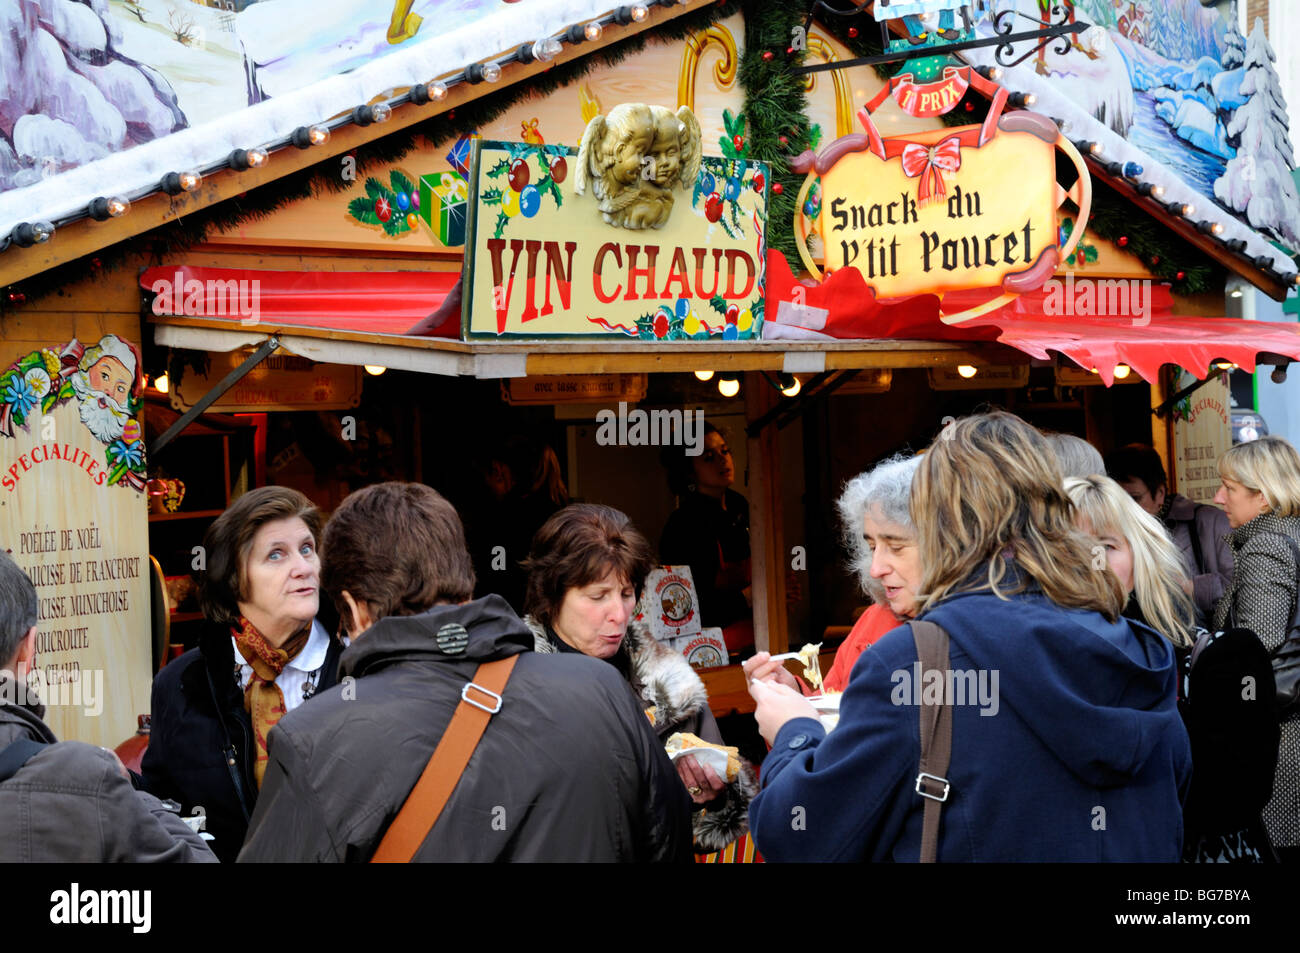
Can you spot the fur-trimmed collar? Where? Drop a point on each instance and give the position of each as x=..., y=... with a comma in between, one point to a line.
x=659, y=675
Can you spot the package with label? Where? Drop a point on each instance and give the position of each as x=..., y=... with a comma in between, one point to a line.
x=668, y=606
x=705, y=649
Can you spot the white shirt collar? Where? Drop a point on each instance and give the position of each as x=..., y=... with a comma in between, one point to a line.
x=309, y=659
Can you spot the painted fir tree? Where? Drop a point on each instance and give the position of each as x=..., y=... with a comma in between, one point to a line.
x=1234, y=44
x=1258, y=181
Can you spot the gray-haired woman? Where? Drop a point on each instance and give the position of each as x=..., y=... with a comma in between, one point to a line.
x=881, y=539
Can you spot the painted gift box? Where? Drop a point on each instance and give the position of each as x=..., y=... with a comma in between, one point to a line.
x=668, y=606
x=444, y=203
x=458, y=156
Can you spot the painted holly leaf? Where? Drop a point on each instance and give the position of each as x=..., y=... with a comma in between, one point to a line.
x=395, y=226
x=547, y=185
x=400, y=183
x=490, y=197
x=814, y=135
x=375, y=189
x=502, y=220
x=718, y=304
x=501, y=168
x=363, y=210
x=1090, y=252
x=735, y=125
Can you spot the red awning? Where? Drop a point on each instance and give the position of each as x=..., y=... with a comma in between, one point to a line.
x=379, y=302
x=1094, y=322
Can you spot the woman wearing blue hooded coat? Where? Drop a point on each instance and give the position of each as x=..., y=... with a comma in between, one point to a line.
x=1066, y=744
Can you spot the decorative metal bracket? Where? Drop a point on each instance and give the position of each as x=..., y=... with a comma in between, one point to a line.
x=1004, y=40
x=1166, y=408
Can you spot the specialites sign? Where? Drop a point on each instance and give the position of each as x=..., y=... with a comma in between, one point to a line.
x=635, y=235
x=971, y=207
x=73, y=516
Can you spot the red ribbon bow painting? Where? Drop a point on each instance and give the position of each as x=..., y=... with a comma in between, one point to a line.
x=930, y=163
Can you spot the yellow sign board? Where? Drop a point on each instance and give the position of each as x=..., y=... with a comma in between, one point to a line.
x=1202, y=434
x=543, y=260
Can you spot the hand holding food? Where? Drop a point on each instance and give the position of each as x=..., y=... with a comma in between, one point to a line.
x=700, y=763
x=810, y=655
x=775, y=705
x=765, y=668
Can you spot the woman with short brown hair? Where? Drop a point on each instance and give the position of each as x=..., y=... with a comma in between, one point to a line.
x=260, y=655
x=585, y=573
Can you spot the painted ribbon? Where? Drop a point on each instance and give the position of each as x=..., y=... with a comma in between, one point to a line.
x=930, y=99
x=929, y=163
x=457, y=190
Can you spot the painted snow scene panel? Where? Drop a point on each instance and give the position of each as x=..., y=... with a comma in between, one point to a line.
x=1174, y=86
x=83, y=79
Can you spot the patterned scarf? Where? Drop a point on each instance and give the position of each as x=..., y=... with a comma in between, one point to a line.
x=263, y=699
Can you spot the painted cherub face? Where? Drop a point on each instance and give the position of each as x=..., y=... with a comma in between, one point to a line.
x=629, y=156
x=666, y=149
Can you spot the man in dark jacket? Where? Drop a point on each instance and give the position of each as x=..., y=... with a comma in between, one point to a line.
x=1199, y=530
x=67, y=801
x=568, y=769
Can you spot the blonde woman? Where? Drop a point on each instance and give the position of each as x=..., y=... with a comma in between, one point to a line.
x=1233, y=734
x=1260, y=493
x=1066, y=740
x=1139, y=552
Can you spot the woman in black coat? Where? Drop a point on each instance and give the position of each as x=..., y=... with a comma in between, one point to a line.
x=261, y=654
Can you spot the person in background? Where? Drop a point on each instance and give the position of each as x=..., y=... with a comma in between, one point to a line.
x=261, y=654
x=1082, y=723
x=1233, y=733
x=881, y=541
x=1199, y=530
x=567, y=769
x=1076, y=456
x=1260, y=493
x=585, y=574
x=65, y=801
x=523, y=476
x=709, y=531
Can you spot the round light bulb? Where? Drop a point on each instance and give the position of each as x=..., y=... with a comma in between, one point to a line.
x=547, y=49
x=967, y=370
x=257, y=158
x=639, y=12
x=593, y=30
x=1029, y=99
x=728, y=388
x=117, y=207
x=318, y=135
x=1217, y=228
x=491, y=72
x=375, y=369
x=1122, y=371
x=793, y=389
x=1225, y=366
x=190, y=181
x=704, y=375
x=1189, y=210
x=161, y=384
x=437, y=90
x=381, y=112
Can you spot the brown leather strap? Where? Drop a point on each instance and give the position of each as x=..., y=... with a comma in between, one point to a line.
x=936, y=735
x=441, y=775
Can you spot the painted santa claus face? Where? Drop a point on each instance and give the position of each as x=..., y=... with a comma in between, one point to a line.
x=103, y=390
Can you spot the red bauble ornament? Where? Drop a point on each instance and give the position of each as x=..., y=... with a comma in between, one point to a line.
x=733, y=314
x=383, y=209
x=1122, y=241
x=519, y=174
x=758, y=182
x=559, y=169
x=17, y=297
x=970, y=108
x=789, y=51
x=783, y=140
x=853, y=32
x=1155, y=260
x=767, y=56
x=713, y=207
x=738, y=142
x=661, y=325
x=96, y=264
x=777, y=188
x=1180, y=276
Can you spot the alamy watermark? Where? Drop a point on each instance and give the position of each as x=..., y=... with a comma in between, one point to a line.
x=1099, y=297
x=977, y=687
x=236, y=298
x=82, y=689
x=651, y=428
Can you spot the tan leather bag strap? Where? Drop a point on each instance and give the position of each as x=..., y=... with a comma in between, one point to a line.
x=936, y=736
x=480, y=700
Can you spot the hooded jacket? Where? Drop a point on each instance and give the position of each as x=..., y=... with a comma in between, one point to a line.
x=199, y=726
x=1070, y=749
x=568, y=770
x=664, y=679
x=73, y=802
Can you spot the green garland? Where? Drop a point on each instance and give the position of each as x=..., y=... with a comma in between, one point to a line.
x=166, y=241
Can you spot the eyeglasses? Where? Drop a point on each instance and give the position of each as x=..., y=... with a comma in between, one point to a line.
x=715, y=456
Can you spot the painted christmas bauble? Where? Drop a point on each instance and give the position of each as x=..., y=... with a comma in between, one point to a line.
x=759, y=182
x=510, y=202
x=412, y=220
x=745, y=321
x=732, y=314
x=661, y=325
x=530, y=200
x=682, y=308
x=383, y=209
x=403, y=201
x=713, y=207
x=738, y=142
x=729, y=333
x=707, y=184
x=692, y=324
x=733, y=189
x=415, y=200
x=559, y=168
x=519, y=174
x=131, y=431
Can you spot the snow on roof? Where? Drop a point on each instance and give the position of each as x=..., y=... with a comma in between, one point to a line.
x=140, y=168
x=1102, y=93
